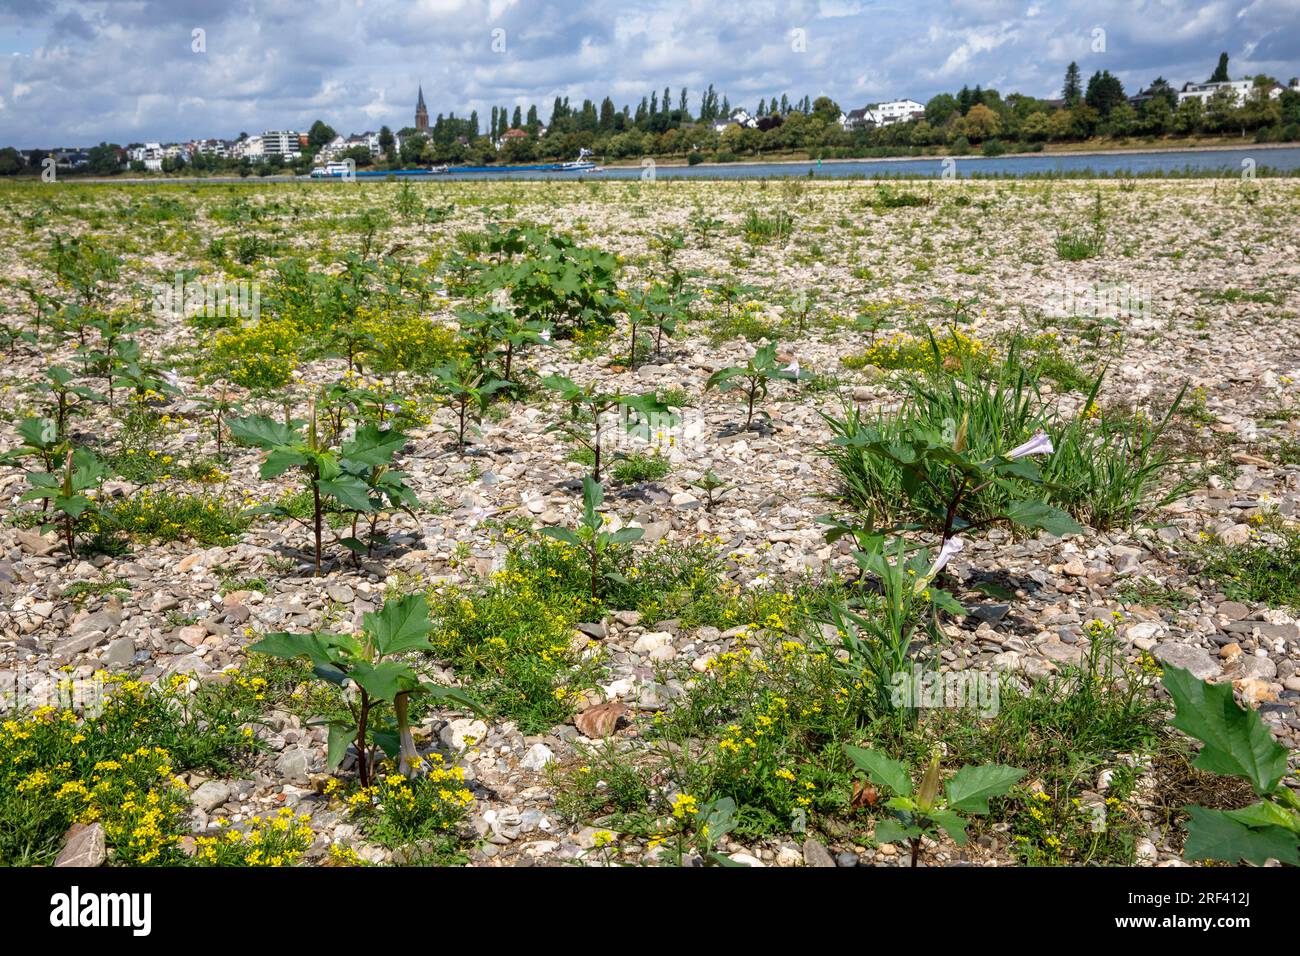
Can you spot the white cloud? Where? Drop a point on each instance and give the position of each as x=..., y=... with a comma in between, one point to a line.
x=84, y=71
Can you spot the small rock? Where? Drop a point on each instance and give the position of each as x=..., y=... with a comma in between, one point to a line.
x=538, y=756
x=83, y=846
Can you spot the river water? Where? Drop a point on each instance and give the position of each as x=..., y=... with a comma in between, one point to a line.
x=1286, y=159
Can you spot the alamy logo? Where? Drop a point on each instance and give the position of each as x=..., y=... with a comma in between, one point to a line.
x=224, y=299
x=75, y=909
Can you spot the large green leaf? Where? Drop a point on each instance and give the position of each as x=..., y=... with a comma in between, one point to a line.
x=1039, y=514
x=286, y=645
x=563, y=534
x=882, y=770
x=1236, y=741
x=1266, y=814
x=384, y=680
x=373, y=446
x=341, y=736
x=970, y=788
x=952, y=824
x=1213, y=835
x=402, y=624
x=261, y=431
x=349, y=490
x=891, y=831
x=280, y=460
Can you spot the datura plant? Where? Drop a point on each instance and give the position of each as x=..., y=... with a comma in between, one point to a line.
x=69, y=492
x=755, y=377
x=1235, y=743
x=941, y=478
x=922, y=811
x=344, y=474
x=590, y=539
x=375, y=665
x=588, y=406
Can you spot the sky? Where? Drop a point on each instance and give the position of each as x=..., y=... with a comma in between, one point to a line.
x=77, y=73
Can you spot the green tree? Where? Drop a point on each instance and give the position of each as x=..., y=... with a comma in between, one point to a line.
x=319, y=134
x=1073, y=88
x=1105, y=92
x=387, y=143
x=10, y=161
x=826, y=109
x=1220, y=74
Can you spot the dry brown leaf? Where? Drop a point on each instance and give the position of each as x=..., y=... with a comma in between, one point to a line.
x=864, y=794
x=600, y=721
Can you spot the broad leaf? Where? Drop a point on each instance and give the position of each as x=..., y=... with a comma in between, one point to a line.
x=372, y=446
x=384, y=680
x=891, y=831
x=261, y=431
x=400, y=625
x=1213, y=835
x=1039, y=514
x=349, y=491
x=881, y=769
x=1236, y=741
x=341, y=737
x=563, y=534
x=970, y=788
x=952, y=824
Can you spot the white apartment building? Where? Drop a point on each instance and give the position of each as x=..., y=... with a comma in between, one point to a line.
x=1241, y=89
x=286, y=143
x=883, y=114
x=341, y=144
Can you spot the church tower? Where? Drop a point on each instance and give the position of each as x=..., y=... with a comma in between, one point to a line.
x=421, y=112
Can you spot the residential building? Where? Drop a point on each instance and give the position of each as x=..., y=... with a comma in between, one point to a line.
x=883, y=114
x=738, y=117
x=1241, y=89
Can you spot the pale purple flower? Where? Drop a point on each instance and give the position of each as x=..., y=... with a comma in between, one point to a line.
x=1040, y=444
x=950, y=547
x=793, y=367
x=544, y=335
x=171, y=378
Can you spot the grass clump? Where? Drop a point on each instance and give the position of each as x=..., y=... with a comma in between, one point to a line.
x=639, y=466
x=1105, y=470
x=176, y=516
x=1264, y=570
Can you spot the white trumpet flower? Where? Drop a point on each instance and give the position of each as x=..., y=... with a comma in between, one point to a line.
x=950, y=547
x=1040, y=444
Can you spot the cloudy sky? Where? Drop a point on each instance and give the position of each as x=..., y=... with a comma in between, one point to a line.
x=74, y=73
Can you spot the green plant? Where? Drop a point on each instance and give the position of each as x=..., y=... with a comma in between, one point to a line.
x=374, y=664
x=638, y=414
x=631, y=468
x=923, y=810
x=589, y=539
x=466, y=387
x=875, y=645
x=755, y=377
x=951, y=486
x=1235, y=743
x=275, y=841
x=1258, y=571
x=69, y=494
x=713, y=487
x=67, y=398
x=328, y=473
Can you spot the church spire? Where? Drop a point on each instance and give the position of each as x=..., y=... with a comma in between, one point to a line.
x=421, y=111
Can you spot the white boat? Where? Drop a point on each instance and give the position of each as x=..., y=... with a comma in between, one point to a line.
x=580, y=165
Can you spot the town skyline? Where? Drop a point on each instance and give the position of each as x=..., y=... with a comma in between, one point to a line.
x=469, y=56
